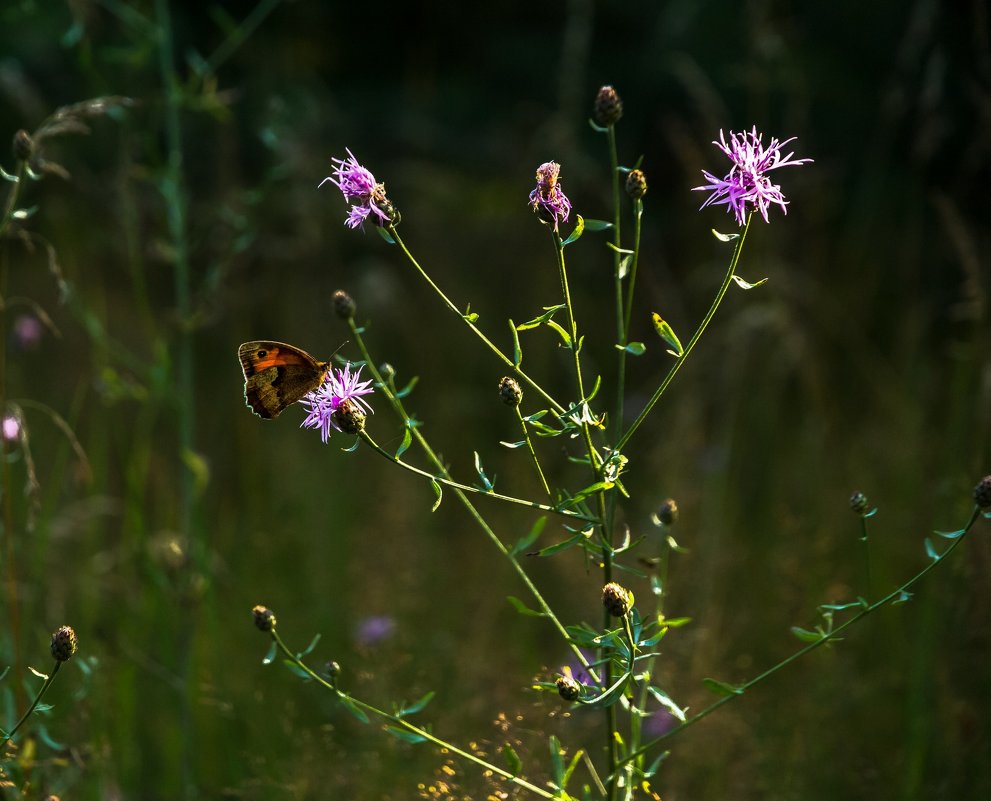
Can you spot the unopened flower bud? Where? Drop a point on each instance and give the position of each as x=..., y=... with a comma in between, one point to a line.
x=64, y=644
x=509, y=391
x=636, y=184
x=568, y=688
x=344, y=305
x=349, y=417
x=982, y=492
x=23, y=146
x=608, y=106
x=264, y=618
x=668, y=513
x=388, y=208
x=616, y=599
x=859, y=503
x=332, y=670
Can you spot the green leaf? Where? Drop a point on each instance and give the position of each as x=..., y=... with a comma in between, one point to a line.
x=665, y=700
x=610, y=696
x=557, y=764
x=903, y=597
x=270, y=656
x=7, y=176
x=579, y=229
x=486, y=484
x=746, y=284
x=721, y=687
x=47, y=739
x=407, y=441
x=385, y=235
x=349, y=705
x=596, y=127
x=666, y=332
x=597, y=225
x=561, y=546
x=416, y=706
x=38, y=673
x=591, y=489
x=564, y=334
x=652, y=768
x=536, y=322
x=806, y=635
x=527, y=540
x=512, y=445
x=951, y=535
x=623, y=268
x=309, y=648
x=513, y=761
x=439, y=492
x=405, y=735
x=633, y=348
x=931, y=550
x=353, y=446
x=724, y=237
x=571, y=768
x=522, y=608
x=405, y=391
x=294, y=668
x=871, y=513
x=517, y=350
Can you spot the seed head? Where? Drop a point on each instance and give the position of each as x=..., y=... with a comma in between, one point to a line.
x=344, y=305
x=348, y=417
x=982, y=492
x=616, y=599
x=509, y=391
x=636, y=184
x=608, y=106
x=264, y=618
x=64, y=644
x=668, y=513
x=568, y=688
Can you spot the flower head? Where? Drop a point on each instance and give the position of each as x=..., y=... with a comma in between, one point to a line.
x=747, y=186
x=10, y=428
x=360, y=189
x=64, y=643
x=548, y=199
x=340, y=386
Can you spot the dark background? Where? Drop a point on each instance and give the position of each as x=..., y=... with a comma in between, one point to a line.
x=863, y=364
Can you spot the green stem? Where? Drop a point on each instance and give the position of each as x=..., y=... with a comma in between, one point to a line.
x=447, y=482
x=400, y=411
x=475, y=330
x=691, y=344
x=15, y=190
x=828, y=637
x=533, y=453
x=37, y=699
x=867, y=556
x=405, y=724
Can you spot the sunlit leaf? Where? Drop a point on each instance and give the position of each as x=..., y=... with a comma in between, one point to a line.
x=517, y=350
x=416, y=706
x=666, y=332
x=724, y=237
x=610, y=696
x=294, y=668
x=806, y=635
x=351, y=707
x=565, y=336
x=385, y=235
x=405, y=391
x=624, y=266
x=513, y=761
x=746, y=284
x=576, y=233
x=309, y=648
x=951, y=535
x=560, y=546
x=38, y=673
x=633, y=348
x=405, y=734
x=931, y=550
x=557, y=764
x=721, y=687
x=439, y=491
x=407, y=441
x=530, y=537
x=597, y=225
x=522, y=608
x=665, y=700
x=270, y=656
x=512, y=445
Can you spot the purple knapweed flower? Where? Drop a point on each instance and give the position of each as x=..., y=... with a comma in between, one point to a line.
x=359, y=188
x=548, y=199
x=746, y=186
x=375, y=629
x=339, y=386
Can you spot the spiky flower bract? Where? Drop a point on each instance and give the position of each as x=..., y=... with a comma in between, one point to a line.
x=360, y=189
x=747, y=187
x=340, y=386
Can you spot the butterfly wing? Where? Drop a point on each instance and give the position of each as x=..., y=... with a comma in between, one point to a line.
x=277, y=375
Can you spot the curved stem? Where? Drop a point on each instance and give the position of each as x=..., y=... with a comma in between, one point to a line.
x=828, y=637
x=691, y=344
x=37, y=699
x=475, y=330
x=15, y=190
x=533, y=453
x=465, y=487
x=395, y=720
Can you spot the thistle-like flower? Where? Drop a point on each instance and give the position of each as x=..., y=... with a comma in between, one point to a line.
x=340, y=385
x=548, y=199
x=747, y=186
x=360, y=189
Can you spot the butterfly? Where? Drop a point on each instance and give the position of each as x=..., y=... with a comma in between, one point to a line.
x=276, y=375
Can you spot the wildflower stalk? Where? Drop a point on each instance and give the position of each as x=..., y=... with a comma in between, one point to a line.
x=720, y=294
x=404, y=724
x=15, y=190
x=533, y=453
x=475, y=330
x=827, y=637
x=400, y=410
x=447, y=482
x=617, y=260
x=867, y=555
x=37, y=699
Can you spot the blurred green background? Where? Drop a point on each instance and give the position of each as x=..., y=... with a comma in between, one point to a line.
x=863, y=364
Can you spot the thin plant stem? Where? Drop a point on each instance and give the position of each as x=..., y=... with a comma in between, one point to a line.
x=37, y=699
x=867, y=556
x=894, y=595
x=404, y=724
x=447, y=482
x=475, y=330
x=617, y=279
x=400, y=411
x=720, y=294
x=533, y=453
x=241, y=33
x=15, y=190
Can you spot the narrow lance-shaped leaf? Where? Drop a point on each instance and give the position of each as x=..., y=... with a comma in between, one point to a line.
x=576, y=233
x=666, y=332
x=528, y=539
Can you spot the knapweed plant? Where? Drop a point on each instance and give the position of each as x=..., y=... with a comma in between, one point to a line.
x=613, y=662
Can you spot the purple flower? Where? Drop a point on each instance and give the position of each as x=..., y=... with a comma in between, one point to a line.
x=359, y=188
x=375, y=629
x=11, y=428
x=28, y=331
x=339, y=386
x=548, y=199
x=747, y=181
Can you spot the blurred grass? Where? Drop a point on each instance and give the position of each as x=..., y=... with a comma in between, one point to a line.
x=862, y=364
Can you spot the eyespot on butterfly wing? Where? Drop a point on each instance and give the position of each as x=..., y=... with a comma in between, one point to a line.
x=276, y=375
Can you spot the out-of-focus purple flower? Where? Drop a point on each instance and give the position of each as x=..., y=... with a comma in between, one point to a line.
x=578, y=671
x=340, y=385
x=658, y=722
x=548, y=199
x=11, y=428
x=747, y=186
x=359, y=188
x=27, y=331
x=375, y=629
